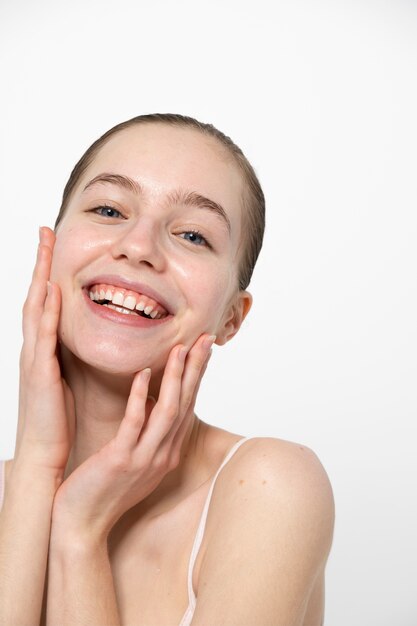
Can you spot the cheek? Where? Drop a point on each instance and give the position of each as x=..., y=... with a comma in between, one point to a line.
x=72, y=250
x=63, y=254
x=211, y=294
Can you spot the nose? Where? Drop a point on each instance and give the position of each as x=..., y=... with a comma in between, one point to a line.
x=139, y=244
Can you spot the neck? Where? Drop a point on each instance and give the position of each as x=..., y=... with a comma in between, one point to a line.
x=100, y=403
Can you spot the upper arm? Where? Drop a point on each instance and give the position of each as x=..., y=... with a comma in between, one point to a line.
x=270, y=535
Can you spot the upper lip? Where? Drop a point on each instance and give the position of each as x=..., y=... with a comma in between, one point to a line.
x=125, y=283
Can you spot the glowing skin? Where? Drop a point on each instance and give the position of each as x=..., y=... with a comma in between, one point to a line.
x=148, y=243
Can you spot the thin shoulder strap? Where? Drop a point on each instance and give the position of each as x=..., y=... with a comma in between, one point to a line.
x=201, y=527
x=2, y=479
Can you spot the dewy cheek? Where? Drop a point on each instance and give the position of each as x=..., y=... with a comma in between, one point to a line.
x=183, y=270
x=72, y=249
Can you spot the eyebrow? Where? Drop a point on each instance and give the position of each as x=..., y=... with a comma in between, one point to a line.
x=115, y=179
x=179, y=196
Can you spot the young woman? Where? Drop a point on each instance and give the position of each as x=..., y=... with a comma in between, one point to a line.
x=121, y=506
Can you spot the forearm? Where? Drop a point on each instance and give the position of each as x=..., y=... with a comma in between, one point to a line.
x=25, y=524
x=80, y=584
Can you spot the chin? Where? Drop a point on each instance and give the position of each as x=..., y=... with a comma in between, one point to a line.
x=116, y=358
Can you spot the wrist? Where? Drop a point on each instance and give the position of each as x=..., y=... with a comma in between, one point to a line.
x=29, y=460
x=71, y=540
x=25, y=472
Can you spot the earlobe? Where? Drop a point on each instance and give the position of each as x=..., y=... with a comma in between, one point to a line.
x=234, y=317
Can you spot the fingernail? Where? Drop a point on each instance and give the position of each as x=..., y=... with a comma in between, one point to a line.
x=40, y=233
x=146, y=374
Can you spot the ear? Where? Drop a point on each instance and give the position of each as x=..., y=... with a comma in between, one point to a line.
x=233, y=317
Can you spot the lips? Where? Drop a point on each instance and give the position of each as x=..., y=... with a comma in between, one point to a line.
x=140, y=305
x=125, y=284
x=126, y=301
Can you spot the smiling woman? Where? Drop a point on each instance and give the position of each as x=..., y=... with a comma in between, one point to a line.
x=121, y=506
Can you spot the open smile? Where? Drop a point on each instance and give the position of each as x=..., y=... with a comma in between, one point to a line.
x=126, y=301
x=124, y=305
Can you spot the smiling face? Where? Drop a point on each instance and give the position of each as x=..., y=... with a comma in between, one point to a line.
x=154, y=224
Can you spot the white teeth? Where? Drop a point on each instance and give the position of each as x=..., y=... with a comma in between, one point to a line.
x=129, y=302
x=118, y=298
x=123, y=304
x=119, y=309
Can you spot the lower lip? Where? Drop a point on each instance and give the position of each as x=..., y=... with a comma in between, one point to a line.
x=122, y=318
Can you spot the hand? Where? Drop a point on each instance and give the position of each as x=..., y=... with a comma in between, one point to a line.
x=46, y=421
x=146, y=447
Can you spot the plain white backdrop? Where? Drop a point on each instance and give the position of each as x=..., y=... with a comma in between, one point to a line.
x=322, y=97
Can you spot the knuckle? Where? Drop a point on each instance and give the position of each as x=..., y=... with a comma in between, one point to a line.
x=47, y=321
x=174, y=459
x=120, y=460
x=188, y=398
x=199, y=361
x=23, y=360
x=27, y=307
x=136, y=420
x=43, y=332
x=144, y=461
x=170, y=411
x=162, y=462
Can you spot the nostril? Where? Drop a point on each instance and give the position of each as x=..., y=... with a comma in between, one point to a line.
x=142, y=249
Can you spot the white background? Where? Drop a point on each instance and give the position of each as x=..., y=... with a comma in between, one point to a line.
x=322, y=97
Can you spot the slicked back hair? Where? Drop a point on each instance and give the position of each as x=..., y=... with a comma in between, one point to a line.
x=253, y=209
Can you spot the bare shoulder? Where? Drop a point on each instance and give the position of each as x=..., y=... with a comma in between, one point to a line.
x=288, y=480
x=270, y=528
x=278, y=472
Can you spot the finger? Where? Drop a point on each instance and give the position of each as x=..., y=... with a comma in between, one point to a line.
x=41, y=272
x=46, y=339
x=47, y=237
x=35, y=301
x=189, y=412
x=37, y=288
x=135, y=414
x=166, y=410
x=196, y=361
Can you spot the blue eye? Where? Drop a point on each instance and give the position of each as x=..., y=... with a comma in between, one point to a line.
x=107, y=211
x=194, y=236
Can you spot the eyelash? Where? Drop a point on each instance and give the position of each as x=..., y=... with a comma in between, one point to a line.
x=198, y=234
x=107, y=207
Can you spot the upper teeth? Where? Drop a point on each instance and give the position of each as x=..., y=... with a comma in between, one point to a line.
x=127, y=299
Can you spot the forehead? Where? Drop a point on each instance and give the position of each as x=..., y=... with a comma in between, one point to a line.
x=162, y=158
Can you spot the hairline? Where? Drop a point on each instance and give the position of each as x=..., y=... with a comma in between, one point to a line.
x=229, y=152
